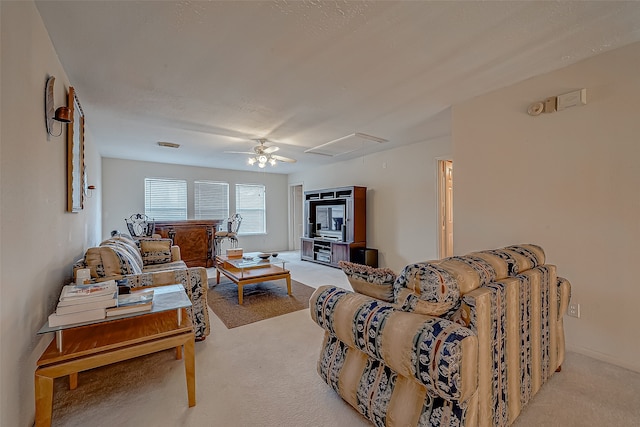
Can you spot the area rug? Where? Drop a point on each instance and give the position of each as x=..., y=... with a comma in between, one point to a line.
x=261, y=301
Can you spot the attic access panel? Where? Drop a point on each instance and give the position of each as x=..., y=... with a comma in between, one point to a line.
x=346, y=144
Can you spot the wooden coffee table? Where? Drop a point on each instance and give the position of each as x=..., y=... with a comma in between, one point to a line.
x=242, y=271
x=81, y=347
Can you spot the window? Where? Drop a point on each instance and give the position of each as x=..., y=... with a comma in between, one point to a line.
x=211, y=200
x=165, y=199
x=250, y=204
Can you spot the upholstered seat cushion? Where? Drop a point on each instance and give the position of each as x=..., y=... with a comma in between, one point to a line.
x=374, y=282
x=174, y=265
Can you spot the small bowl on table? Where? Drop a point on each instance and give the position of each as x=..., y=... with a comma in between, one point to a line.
x=274, y=254
x=264, y=256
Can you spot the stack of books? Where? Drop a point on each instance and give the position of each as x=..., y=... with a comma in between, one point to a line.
x=84, y=303
x=138, y=300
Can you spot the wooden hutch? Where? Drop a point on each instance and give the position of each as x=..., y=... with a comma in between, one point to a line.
x=336, y=224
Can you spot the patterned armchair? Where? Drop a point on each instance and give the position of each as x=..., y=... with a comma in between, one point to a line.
x=466, y=341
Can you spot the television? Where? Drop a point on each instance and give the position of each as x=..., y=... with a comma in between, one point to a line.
x=329, y=220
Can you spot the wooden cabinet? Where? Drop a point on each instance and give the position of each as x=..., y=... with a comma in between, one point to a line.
x=336, y=224
x=194, y=237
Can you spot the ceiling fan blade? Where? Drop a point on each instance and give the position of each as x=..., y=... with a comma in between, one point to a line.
x=284, y=159
x=271, y=149
x=239, y=152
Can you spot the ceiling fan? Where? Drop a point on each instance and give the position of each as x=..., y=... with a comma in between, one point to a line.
x=262, y=154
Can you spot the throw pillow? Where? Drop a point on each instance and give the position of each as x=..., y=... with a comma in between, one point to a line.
x=374, y=282
x=155, y=251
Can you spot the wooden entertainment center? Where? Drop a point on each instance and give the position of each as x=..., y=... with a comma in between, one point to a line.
x=336, y=224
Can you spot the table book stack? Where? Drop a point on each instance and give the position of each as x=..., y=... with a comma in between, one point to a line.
x=84, y=303
x=133, y=302
x=97, y=301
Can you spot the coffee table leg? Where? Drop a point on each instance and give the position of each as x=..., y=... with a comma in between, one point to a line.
x=239, y=294
x=190, y=370
x=44, y=400
x=289, y=285
x=217, y=276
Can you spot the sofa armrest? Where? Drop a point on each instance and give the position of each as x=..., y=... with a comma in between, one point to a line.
x=439, y=354
x=175, y=253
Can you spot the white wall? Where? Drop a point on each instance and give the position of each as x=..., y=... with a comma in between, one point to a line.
x=401, y=198
x=569, y=181
x=38, y=240
x=123, y=195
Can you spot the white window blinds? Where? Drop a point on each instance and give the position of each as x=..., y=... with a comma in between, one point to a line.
x=165, y=199
x=211, y=200
x=250, y=204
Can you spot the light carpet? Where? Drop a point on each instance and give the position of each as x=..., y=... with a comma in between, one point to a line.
x=261, y=301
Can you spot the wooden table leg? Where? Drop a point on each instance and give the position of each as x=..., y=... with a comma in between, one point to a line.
x=239, y=294
x=289, y=285
x=44, y=400
x=190, y=370
x=73, y=381
x=179, y=352
x=217, y=276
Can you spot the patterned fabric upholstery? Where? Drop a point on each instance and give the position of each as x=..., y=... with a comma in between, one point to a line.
x=383, y=359
x=155, y=251
x=120, y=255
x=194, y=281
x=374, y=282
x=435, y=287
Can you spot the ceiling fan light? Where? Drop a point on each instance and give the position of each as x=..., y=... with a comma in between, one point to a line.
x=272, y=161
x=261, y=165
x=262, y=159
x=252, y=160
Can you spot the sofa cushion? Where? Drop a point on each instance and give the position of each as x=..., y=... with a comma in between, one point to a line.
x=127, y=245
x=110, y=260
x=174, y=265
x=374, y=282
x=155, y=251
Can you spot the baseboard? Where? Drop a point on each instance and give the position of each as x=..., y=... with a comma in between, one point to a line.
x=603, y=357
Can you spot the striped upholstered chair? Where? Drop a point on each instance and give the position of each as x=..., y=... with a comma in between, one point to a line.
x=467, y=341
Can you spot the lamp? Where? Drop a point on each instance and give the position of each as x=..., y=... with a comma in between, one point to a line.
x=61, y=114
x=262, y=160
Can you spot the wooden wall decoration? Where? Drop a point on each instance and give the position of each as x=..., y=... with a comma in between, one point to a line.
x=75, y=154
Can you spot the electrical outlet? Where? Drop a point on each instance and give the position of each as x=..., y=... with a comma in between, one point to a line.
x=574, y=310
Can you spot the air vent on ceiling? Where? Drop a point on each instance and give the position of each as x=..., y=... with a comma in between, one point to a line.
x=346, y=144
x=168, y=144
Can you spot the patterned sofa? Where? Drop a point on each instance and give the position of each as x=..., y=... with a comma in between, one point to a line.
x=466, y=341
x=155, y=263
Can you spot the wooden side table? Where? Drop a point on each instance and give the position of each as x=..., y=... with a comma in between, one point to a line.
x=105, y=342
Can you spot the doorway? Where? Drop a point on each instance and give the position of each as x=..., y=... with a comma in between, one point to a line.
x=296, y=205
x=445, y=208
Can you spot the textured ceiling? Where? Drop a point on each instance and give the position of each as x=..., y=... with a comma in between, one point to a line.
x=211, y=76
